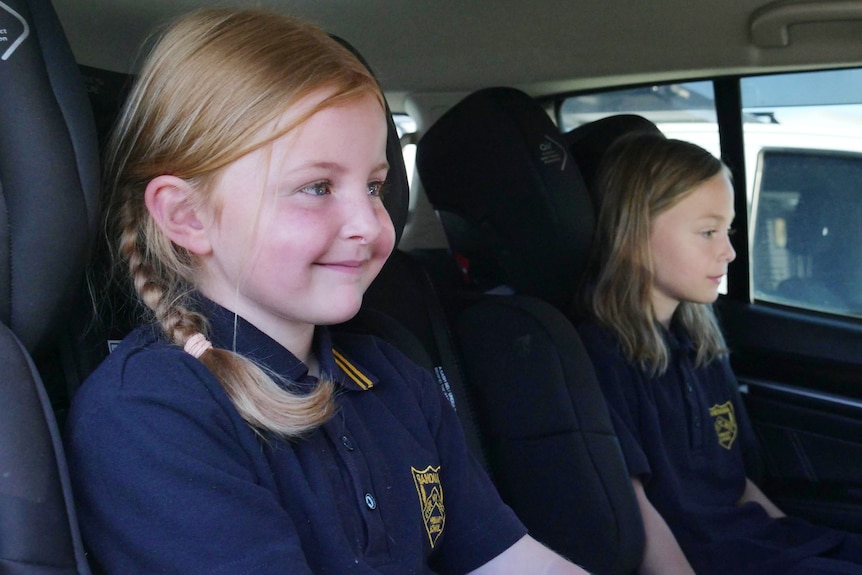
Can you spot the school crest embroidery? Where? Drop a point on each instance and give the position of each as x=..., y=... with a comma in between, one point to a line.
x=725, y=423
x=430, y=492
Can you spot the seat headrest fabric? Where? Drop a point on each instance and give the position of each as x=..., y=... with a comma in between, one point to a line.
x=49, y=167
x=496, y=170
x=589, y=142
x=397, y=196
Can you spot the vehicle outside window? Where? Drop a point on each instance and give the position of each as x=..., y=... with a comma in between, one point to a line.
x=805, y=164
x=808, y=226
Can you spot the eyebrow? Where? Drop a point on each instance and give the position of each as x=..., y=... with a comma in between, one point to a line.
x=716, y=217
x=338, y=168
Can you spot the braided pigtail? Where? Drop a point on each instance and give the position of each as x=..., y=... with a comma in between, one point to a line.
x=263, y=403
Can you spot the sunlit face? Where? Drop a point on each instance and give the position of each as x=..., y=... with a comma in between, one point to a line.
x=691, y=248
x=300, y=230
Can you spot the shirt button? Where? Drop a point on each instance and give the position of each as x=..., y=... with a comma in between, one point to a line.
x=370, y=501
x=345, y=441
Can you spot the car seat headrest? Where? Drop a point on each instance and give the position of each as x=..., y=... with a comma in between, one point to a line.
x=397, y=197
x=511, y=199
x=589, y=142
x=49, y=167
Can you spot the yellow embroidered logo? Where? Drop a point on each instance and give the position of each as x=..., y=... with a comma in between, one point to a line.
x=431, y=500
x=725, y=423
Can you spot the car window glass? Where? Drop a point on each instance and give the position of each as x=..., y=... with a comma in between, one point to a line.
x=684, y=110
x=803, y=147
x=405, y=125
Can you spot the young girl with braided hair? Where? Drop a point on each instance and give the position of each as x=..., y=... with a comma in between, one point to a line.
x=661, y=248
x=234, y=433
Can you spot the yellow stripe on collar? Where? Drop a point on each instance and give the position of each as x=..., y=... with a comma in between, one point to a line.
x=352, y=372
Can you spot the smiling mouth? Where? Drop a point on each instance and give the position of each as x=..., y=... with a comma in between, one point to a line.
x=346, y=267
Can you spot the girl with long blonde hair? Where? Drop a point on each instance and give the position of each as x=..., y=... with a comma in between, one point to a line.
x=661, y=251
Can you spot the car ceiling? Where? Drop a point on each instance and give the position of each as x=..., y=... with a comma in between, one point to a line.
x=540, y=46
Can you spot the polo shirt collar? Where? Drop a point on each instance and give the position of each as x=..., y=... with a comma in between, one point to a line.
x=265, y=351
x=677, y=339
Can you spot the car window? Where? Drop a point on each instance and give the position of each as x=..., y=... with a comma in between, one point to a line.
x=684, y=110
x=804, y=162
x=405, y=125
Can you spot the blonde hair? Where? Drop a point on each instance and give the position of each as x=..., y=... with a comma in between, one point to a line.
x=640, y=177
x=211, y=84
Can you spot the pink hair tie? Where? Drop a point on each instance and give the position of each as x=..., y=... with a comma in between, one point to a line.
x=196, y=345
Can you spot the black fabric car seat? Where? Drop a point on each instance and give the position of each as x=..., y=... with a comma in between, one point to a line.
x=515, y=208
x=589, y=142
x=508, y=194
x=49, y=187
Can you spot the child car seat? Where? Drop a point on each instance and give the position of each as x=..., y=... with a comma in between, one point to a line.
x=49, y=188
x=589, y=142
x=514, y=207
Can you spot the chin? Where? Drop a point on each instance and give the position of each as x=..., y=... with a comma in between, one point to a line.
x=338, y=315
x=710, y=298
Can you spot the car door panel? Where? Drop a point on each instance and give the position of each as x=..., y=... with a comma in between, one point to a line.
x=801, y=377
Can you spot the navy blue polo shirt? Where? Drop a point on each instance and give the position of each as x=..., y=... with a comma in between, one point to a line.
x=685, y=434
x=169, y=479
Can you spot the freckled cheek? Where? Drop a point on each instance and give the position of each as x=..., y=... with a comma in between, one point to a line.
x=386, y=240
x=287, y=242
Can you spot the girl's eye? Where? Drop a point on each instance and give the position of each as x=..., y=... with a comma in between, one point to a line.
x=708, y=233
x=377, y=189
x=316, y=189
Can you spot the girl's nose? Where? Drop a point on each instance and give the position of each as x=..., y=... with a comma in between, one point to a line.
x=729, y=253
x=362, y=217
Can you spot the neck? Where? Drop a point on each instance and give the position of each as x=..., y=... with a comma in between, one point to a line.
x=312, y=364
x=297, y=338
x=299, y=344
x=663, y=309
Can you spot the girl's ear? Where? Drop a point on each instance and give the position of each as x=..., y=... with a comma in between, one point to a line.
x=170, y=201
